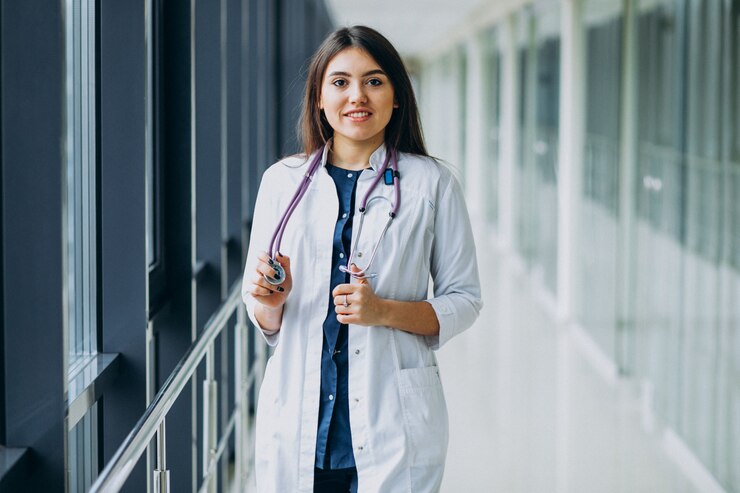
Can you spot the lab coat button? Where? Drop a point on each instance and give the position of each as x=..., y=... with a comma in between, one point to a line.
x=357, y=351
x=359, y=254
x=360, y=448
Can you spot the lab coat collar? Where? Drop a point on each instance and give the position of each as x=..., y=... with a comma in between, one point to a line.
x=377, y=158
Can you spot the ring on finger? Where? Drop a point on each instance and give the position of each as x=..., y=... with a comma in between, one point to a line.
x=346, y=302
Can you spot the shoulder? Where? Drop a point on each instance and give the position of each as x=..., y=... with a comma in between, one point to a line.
x=285, y=169
x=426, y=173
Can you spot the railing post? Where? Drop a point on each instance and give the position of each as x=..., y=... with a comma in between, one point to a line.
x=240, y=401
x=161, y=474
x=210, y=401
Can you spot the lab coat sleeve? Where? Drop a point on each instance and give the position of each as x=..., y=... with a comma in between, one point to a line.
x=263, y=221
x=454, y=267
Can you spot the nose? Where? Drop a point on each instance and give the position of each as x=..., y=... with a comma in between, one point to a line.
x=357, y=94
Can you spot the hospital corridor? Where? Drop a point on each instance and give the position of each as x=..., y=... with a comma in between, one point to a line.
x=587, y=150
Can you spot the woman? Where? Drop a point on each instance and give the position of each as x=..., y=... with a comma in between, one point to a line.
x=351, y=398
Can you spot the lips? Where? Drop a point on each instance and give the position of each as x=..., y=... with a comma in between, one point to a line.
x=358, y=114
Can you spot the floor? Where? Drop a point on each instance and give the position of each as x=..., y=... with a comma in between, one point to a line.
x=529, y=410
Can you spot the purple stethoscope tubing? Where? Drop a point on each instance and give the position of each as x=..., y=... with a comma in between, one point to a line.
x=277, y=236
x=363, y=273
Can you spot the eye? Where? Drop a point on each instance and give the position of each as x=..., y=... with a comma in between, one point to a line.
x=339, y=83
x=375, y=82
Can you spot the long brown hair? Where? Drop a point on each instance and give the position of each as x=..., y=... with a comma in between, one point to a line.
x=403, y=131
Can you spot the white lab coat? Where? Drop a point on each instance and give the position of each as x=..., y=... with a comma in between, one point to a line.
x=398, y=415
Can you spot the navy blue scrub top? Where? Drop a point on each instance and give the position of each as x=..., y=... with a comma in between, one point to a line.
x=334, y=439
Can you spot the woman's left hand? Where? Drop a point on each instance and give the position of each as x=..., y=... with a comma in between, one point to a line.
x=357, y=303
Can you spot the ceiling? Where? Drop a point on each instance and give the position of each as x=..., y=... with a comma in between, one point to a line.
x=411, y=25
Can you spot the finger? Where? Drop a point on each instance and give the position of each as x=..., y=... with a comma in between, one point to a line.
x=346, y=319
x=263, y=269
x=283, y=259
x=343, y=289
x=263, y=256
x=258, y=290
x=341, y=300
x=262, y=282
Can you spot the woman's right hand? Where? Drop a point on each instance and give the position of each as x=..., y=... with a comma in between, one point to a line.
x=265, y=293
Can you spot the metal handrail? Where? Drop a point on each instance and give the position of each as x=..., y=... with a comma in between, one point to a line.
x=115, y=474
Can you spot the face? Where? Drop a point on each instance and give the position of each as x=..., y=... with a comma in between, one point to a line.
x=357, y=97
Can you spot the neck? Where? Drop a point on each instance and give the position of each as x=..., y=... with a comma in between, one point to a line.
x=353, y=155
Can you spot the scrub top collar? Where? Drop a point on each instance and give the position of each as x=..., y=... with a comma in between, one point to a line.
x=377, y=158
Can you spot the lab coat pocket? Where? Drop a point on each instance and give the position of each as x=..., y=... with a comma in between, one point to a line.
x=425, y=415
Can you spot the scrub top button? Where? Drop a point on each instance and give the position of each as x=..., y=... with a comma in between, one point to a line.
x=331, y=397
x=341, y=255
x=344, y=216
x=349, y=175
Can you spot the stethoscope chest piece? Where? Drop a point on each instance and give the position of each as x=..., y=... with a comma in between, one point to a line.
x=279, y=277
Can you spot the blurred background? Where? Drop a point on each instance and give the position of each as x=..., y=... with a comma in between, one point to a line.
x=598, y=143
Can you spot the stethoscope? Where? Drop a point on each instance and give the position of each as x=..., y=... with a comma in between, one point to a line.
x=390, y=175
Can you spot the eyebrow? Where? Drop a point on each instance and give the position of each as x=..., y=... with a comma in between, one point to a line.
x=345, y=74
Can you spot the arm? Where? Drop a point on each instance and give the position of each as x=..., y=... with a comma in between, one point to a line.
x=265, y=309
x=417, y=317
x=454, y=267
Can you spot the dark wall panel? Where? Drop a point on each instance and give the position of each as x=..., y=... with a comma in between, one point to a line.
x=32, y=109
x=122, y=154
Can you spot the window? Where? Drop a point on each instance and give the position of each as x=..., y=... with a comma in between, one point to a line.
x=80, y=215
x=81, y=196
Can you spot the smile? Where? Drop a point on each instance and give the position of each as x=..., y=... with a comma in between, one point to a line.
x=358, y=114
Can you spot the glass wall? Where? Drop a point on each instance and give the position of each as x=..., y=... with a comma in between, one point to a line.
x=658, y=216
x=686, y=231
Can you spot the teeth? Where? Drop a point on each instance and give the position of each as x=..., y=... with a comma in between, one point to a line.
x=358, y=114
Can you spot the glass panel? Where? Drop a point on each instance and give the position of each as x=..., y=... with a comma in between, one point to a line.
x=659, y=197
x=729, y=427
x=81, y=229
x=462, y=92
x=598, y=221
x=545, y=145
x=525, y=207
x=703, y=196
x=83, y=453
x=81, y=180
x=492, y=93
